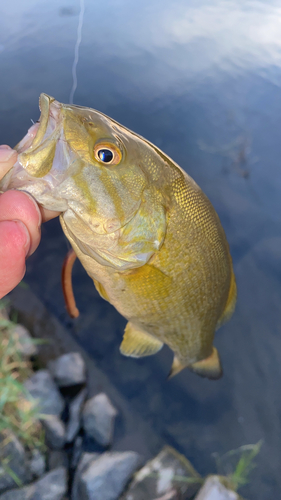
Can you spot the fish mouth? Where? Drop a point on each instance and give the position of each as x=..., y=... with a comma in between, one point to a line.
x=45, y=166
x=46, y=124
x=36, y=157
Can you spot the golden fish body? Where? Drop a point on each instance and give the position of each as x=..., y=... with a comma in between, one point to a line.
x=141, y=227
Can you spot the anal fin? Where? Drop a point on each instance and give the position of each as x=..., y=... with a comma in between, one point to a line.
x=209, y=367
x=137, y=343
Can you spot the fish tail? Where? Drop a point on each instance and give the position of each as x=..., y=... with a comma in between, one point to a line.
x=209, y=367
x=176, y=367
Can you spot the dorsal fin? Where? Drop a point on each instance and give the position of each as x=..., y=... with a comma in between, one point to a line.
x=137, y=343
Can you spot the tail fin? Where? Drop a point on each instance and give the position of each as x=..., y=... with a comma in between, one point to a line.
x=209, y=367
x=175, y=368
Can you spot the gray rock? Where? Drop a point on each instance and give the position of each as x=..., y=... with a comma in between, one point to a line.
x=54, y=432
x=74, y=422
x=170, y=495
x=213, y=489
x=98, y=419
x=105, y=477
x=37, y=463
x=12, y=457
x=57, y=458
x=24, y=341
x=76, y=451
x=160, y=478
x=68, y=369
x=42, y=388
x=52, y=486
x=86, y=459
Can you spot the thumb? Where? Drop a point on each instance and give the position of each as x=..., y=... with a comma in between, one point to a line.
x=8, y=158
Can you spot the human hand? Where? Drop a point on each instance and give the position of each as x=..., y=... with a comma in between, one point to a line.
x=20, y=227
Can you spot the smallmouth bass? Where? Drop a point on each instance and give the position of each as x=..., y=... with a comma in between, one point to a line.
x=141, y=227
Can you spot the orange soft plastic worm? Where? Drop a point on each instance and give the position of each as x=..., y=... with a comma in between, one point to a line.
x=66, y=277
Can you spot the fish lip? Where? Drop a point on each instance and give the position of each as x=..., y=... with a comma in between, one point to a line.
x=49, y=108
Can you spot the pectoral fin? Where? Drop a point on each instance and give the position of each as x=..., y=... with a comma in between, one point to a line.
x=101, y=290
x=209, y=367
x=137, y=343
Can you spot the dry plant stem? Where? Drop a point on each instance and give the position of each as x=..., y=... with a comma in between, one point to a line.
x=67, y=284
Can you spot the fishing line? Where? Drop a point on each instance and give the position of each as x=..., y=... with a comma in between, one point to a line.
x=76, y=51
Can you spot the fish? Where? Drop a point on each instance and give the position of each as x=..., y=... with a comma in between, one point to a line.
x=140, y=225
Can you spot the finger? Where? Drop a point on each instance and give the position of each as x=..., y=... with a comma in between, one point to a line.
x=16, y=205
x=14, y=245
x=48, y=214
x=8, y=158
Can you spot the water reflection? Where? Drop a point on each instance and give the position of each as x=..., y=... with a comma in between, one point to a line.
x=202, y=81
x=230, y=36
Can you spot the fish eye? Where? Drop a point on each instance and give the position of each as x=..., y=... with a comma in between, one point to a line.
x=105, y=155
x=108, y=154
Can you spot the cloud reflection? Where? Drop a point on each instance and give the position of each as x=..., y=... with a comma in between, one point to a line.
x=245, y=33
x=190, y=36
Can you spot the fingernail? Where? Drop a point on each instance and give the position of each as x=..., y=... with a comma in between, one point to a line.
x=6, y=152
x=36, y=206
x=24, y=229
